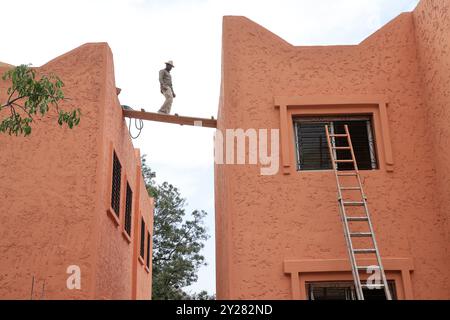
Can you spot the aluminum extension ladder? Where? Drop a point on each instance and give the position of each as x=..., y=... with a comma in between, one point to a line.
x=347, y=218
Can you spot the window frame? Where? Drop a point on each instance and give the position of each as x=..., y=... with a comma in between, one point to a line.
x=112, y=213
x=147, y=261
x=348, y=285
x=326, y=104
x=115, y=194
x=142, y=239
x=330, y=120
x=128, y=218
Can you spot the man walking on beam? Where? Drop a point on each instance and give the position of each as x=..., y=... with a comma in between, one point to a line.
x=165, y=81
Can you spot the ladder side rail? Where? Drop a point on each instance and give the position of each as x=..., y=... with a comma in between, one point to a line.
x=377, y=253
x=355, y=272
x=366, y=208
x=343, y=215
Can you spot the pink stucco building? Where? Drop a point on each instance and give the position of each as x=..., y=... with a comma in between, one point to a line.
x=75, y=197
x=280, y=236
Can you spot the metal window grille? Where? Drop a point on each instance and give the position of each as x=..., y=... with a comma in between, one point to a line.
x=342, y=290
x=128, y=209
x=142, y=249
x=116, y=183
x=148, y=248
x=312, y=148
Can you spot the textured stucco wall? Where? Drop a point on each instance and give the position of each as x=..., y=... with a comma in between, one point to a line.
x=144, y=274
x=117, y=256
x=56, y=191
x=265, y=220
x=114, y=261
x=48, y=187
x=432, y=22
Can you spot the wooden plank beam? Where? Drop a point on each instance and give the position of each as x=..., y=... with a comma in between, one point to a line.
x=182, y=120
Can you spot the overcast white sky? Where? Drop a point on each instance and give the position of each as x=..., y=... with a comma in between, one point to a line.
x=144, y=33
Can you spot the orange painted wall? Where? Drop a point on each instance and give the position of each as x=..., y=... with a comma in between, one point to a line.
x=55, y=192
x=432, y=22
x=144, y=274
x=275, y=232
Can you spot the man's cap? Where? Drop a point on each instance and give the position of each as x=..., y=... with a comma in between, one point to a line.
x=170, y=62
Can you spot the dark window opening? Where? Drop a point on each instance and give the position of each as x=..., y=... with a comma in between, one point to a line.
x=148, y=249
x=128, y=209
x=342, y=290
x=142, y=249
x=116, y=182
x=312, y=146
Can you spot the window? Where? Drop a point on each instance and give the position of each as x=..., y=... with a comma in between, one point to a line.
x=148, y=249
x=142, y=251
x=128, y=208
x=342, y=290
x=116, y=181
x=312, y=147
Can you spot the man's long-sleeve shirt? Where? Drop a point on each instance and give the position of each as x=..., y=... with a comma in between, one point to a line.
x=165, y=79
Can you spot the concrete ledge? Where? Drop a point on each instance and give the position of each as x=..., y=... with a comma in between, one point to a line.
x=302, y=271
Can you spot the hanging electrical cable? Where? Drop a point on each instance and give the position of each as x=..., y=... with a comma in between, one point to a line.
x=138, y=123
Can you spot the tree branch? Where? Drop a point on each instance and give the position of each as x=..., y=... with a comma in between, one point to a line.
x=179, y=243
x=10, y=102
x=10, y=96
x=21, y=107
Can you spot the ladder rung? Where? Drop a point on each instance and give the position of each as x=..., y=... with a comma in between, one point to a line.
x=372, y=286
x=360, y=234
x=344, y=203
x=357, y=219
x=364, y=251
x=341, y=148
x=353, y=203
x=338, y=135
x=364, y=268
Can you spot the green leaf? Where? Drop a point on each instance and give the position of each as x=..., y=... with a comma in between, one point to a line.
x=27, y=130
x=36, y=95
